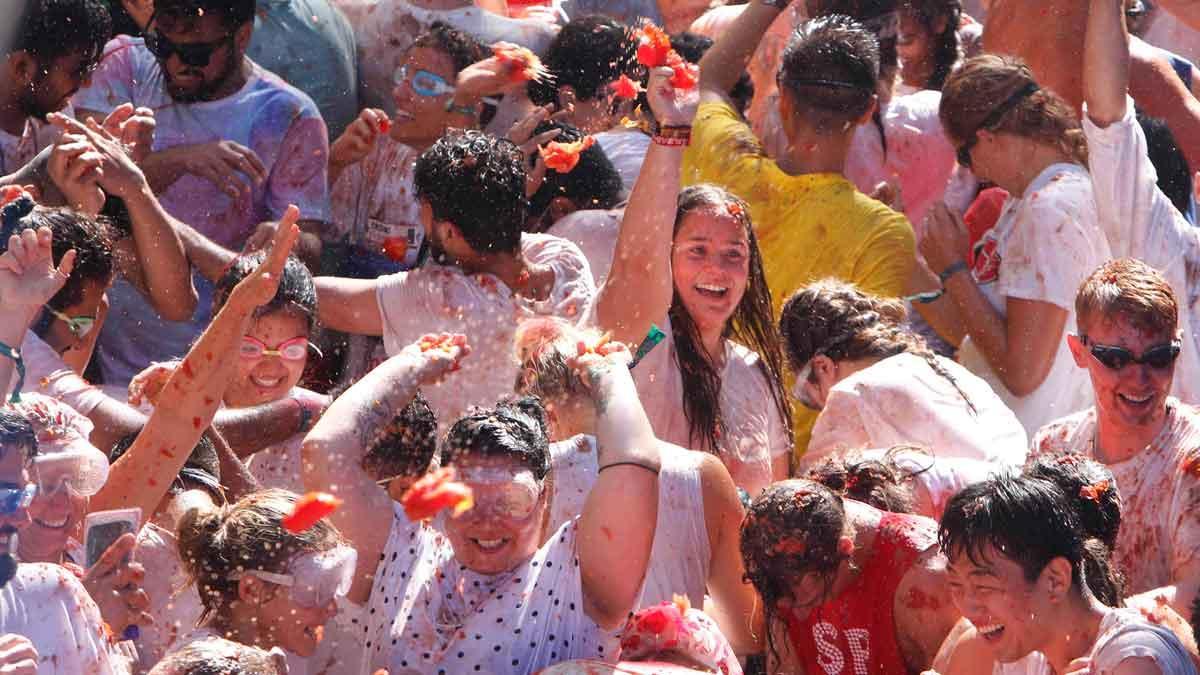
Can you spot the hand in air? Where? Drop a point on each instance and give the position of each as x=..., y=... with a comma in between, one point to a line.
x=260, y=286
x=28, y=277
x=672, y=105
x=438, y=355
x=356, y=141
x=146, y=386
x=593, y=361
x=105, y=148
x=115, y=583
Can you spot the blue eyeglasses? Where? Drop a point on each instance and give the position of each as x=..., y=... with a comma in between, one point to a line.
x=13, y=499
x=423, y=82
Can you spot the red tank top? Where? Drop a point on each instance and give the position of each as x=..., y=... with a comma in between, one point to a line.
x=855, y=633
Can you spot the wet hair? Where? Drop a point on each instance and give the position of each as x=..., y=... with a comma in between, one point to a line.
x=880, y=483
x=879, y=17
x=1092, y=490
x=945, y=47
x=835, y=319
x=296, y=293
x=587, y=54
x=752, y=324
x=406, y=445
x=1130, y=289
x=203, y=458
x=217, y=543
x=543, y=345
x=830, y=69
x=462, y=48
x=1029, y=521
x=476, y=182
x=692, y=47
x=233, y=13
x=217, y=656
x=515, y=428
x=982, y=84
x=52, y=29
x=790, y=530
x=593, y=184
x=1174, y=173
x=17, y=431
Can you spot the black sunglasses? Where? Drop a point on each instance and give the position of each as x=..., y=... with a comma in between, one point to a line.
x=964, y=150
x=196, y=54
x=1116, y=358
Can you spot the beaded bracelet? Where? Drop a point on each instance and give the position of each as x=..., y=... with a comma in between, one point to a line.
x=673, y=136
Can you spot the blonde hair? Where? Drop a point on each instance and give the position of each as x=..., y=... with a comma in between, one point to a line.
x=1130, y=289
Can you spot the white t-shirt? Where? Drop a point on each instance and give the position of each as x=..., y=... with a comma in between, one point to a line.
x=174, y=601
x=756, y=434
x=46, y=373
x=437, y=298
x=17, y=151
x=385, y=29
x=48, y=604
x=901, y=399
x=1141, y=222
x=1043, y=246
x=626, y=149
x=375, y=199
x=1160, y=531
x=595, y=233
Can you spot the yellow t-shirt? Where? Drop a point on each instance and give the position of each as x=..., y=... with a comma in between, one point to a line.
x=809, y=227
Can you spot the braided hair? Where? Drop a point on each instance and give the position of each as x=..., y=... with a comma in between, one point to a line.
x=835, y=319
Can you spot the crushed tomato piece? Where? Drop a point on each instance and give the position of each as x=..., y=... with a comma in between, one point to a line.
x=435, y=491
x=309, y=509
x=564, y=157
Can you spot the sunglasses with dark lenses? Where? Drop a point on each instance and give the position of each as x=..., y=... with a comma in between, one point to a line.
x=964, y=150
x=13, y=499
x=195, y=54
x=1116, y=358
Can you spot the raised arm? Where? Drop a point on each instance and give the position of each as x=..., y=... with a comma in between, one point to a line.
x=333, y=451
x=616, y=529
x=142, y=475
x=1106, y=62
x=725, y=62
x=639, y=287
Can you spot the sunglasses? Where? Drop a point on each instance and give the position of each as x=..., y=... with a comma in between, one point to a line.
x=423, y=82
x=295, y=349
x=79, y=326
x=194, y=54
x=964, y=151
x=13, y=499
x=1116, y=358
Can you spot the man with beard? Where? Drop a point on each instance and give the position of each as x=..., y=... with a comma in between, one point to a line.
x=53, y=51
x=234, y=146
x=1128, y=341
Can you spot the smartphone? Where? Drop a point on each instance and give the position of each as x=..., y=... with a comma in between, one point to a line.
x=102, y=528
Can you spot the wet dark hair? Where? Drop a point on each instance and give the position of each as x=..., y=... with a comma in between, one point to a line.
x=92, y=242
x=406, y=445
x=830, y=69
x=462, y=48
x=790, y=530
x=1092, y=490
x=880, y=483
x=216, y=656
x=515, y=428
x=945, y=48
x=476, y=182
x=692, y=47
x=296, y=293
x=587, y=54
x=751, y=324
x=1174, y=173
x=835, y=319
x=51, y=29
x=1027, y=520
x=17, y=431
x=233, y=13
x=593, y=184
x=202, y=459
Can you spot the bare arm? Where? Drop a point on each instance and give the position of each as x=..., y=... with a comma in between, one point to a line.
x=333, y=452
x=616, y=529
x=735, y=599
x=249, y=430
x=349, y=305
x=142, y=475
x=725, y=62
x=1106, y=62
x=1187, y=11
x=639, y=287
x=210, y=258
x=1159, y=92
x=235, y=477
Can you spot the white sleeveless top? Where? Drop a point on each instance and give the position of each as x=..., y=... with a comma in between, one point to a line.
x=679, y=561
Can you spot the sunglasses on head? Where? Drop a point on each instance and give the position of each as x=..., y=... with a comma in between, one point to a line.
x=79, y=326
x=423, y=82
x=13, y=499
x=194, y=54
x=253, y=349
x=964, y=150
x=1116, y=358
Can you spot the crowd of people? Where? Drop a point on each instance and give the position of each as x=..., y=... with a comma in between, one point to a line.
x=599, y=336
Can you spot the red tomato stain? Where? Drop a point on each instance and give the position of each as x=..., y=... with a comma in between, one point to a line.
x=187, y=369
x=918, y=600
x=208, y=356
x=607, y=532
x=151, y=482
x=208, y=400
x=166, y=453
x=196, y=422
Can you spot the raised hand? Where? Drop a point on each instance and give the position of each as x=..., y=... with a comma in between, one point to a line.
x=75, y=168
x=357, y=140
x=671, y=106
x=148, y=384
x=115, y=583
x=117, y=172
x=28, y=277
x=261, y=285
x=133, y=128
x=593, y=360
x=522, y=134
x=438, y=355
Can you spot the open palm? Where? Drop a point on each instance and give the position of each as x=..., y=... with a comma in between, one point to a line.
x=28, y=276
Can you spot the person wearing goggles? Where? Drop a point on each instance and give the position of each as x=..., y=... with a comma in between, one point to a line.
x=1128, y=343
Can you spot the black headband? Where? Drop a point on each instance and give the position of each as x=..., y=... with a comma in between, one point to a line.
x=1011, y=102
x=810, y=82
